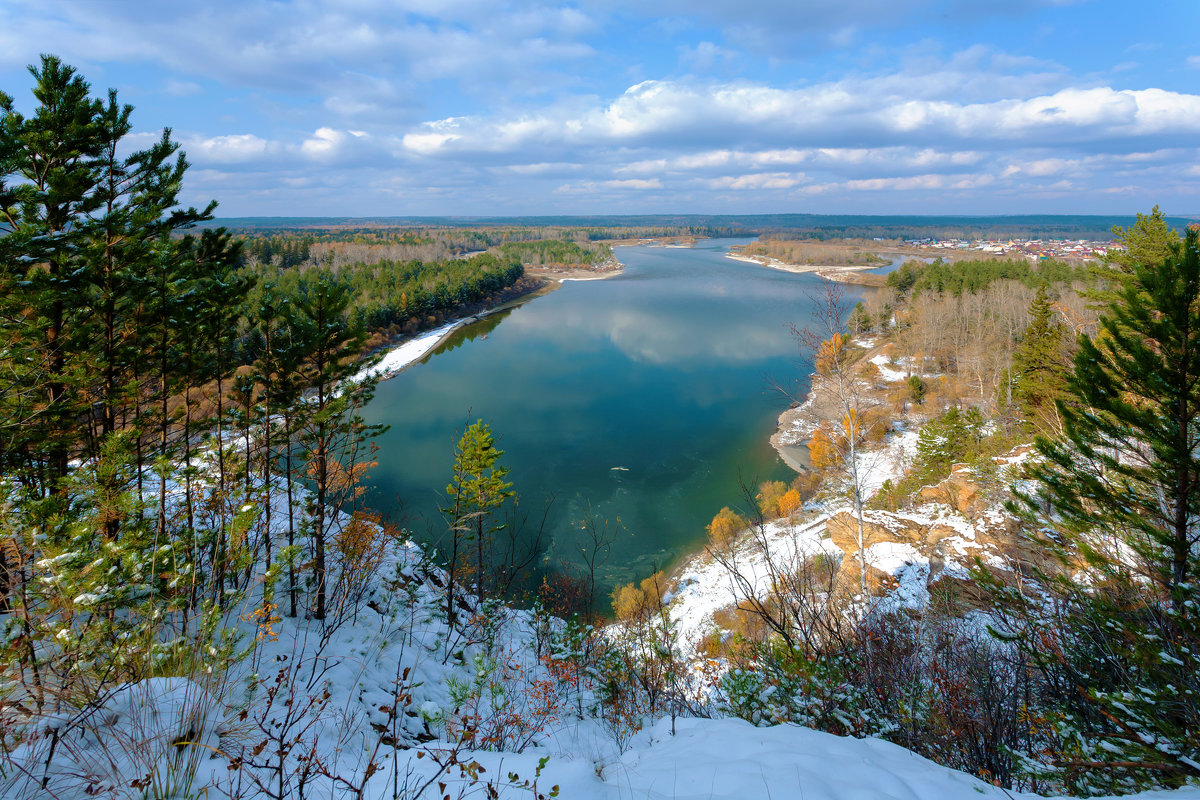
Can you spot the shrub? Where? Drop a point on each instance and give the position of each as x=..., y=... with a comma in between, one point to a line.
x=725, y=527
x=823, y=452
x=768, y=496
x=916, y=388
x=790, y=503
x=632, y=602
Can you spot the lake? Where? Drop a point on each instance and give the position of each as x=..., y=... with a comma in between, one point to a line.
x=646, y=398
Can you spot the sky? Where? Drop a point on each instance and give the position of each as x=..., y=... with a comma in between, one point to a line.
x=474, y=107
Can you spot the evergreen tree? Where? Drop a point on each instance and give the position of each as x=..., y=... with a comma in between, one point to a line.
x=79, y=225
x=103, y=308
x=1150, y=240
x=278, y=372
x=1039, y=366
x=1123, y=654
x=332, y=432
x=477, y=490
x=51, y=161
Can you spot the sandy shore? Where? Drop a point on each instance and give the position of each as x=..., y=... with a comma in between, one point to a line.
x=829, y=272
x=793, y=429
x=606, y=269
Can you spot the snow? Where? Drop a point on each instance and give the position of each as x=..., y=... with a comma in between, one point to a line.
x=705, y=586
x=343, y=675
x=886, y=371
x=729, y=758
x=179, y=733
x=887, y=463
x=408, y=353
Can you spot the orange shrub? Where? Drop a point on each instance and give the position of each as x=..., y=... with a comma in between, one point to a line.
x=768, y=496
x=725, y=527
x=822, y=451
x=790, y=503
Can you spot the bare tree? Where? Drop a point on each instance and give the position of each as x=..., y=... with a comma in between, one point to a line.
x=837, y=377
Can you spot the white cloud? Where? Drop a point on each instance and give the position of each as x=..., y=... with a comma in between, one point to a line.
x=468, y=101
x=231, y=149
x=326, y=143
x=634, y=183
x=762, y=180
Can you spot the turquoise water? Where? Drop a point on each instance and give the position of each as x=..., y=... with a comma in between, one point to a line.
x=646, y=397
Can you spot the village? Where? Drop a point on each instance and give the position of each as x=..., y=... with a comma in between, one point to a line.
x=1033, y=249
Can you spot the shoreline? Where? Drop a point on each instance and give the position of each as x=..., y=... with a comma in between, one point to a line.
x=605, y=269
x=402, y=355
x=399, y=357
x=829, y=272
x=790, y=424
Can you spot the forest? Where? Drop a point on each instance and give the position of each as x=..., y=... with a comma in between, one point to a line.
x=184, y=457
x=799, y=226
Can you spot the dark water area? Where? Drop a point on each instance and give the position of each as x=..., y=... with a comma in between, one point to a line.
x=646, y=398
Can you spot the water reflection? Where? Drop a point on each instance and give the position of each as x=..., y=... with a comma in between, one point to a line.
x=664, y=372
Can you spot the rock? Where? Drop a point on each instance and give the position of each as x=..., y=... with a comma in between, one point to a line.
x=959, y=491
x=879, y=583
x=878, y=526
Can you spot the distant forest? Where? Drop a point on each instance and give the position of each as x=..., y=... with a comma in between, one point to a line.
x=809, y=226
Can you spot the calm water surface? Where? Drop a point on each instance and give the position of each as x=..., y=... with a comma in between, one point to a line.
x=645, y=397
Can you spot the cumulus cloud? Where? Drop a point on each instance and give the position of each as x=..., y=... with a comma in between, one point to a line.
x=466, y=106
x=858, y=114
x=833, y=140
x=231, y=149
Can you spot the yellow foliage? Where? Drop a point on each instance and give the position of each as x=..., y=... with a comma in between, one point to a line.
x=631, y=602
x=725, y=527
x=362, y=542
x=652, y=588
x=831, y=354
x=822, y=450
x=790, y=503
x=768, y=496
x=851, y=428
x=627, y=602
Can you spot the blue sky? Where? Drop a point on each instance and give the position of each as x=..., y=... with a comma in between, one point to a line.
x=470, y=107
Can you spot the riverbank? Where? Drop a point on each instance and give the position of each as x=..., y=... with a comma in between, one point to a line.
x=876, y=380
x=399, y=356
x=859, y=275
x=701, y=595
x=605, y=269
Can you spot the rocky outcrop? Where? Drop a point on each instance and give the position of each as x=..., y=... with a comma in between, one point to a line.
x=935, y=548
x=959, y=491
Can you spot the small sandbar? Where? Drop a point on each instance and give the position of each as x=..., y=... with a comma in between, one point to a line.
x=831, y=272
x=605, y=269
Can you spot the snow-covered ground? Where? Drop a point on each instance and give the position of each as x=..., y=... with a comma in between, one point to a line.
x=407, y=353
x=321, y=704
x=692, y=759
x=706, y=586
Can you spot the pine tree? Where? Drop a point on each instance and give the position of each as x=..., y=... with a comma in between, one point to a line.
x=1150, y=240
x=100, y=306
x=51, y=160
x=478, y=488
x=1039, y=366
x=332, y=432
x=1124, y=488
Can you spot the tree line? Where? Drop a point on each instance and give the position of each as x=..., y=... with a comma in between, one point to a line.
x=406, y=294
x=145, y=457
